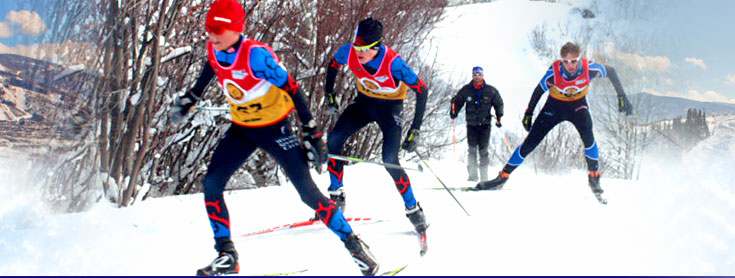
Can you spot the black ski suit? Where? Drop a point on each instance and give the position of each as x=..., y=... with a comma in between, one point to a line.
x=479, y=119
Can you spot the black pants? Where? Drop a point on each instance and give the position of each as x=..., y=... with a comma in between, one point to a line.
x=553, y=113
x=387, y=114
x=478, y=139
x=234, y=149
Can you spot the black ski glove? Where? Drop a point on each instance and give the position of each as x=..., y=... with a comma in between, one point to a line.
x=332, y=106
x=527, y=120
x=498, y=124
x=181, y=107
x=316, y=151
x=411, y=141
x=452, y=112
x=624, y=105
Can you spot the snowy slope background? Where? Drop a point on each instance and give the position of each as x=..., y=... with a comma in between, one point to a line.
x=676, y=219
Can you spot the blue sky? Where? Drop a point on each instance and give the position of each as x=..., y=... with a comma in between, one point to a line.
x=698, y=37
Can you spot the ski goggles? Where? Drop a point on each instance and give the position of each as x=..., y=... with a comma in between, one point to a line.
x=217, y=30
x=571, y=61
x=365, y=47
x=477, y=73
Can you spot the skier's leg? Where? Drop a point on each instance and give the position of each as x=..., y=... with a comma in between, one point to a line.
x=390, y=125
x=351, y=120
x=231, y=152
x=291, y=157
x=483, y=142
x=545, y=121
x=582, y=121
x=472, y=147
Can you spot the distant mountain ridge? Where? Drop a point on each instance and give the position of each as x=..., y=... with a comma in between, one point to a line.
x=672, y=107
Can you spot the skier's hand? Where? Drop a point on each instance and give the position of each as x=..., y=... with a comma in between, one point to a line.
x=331, y=101
x=452, y=114
x=527, y=120
x=181, y=107
x=498, y=124
x=316, y=151
x=411, y=141
x=624, y=105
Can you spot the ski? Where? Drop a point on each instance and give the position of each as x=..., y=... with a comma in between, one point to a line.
x=393, y=272
x=306, y=223
x=423, y=243
x=601, y=199
x=283, y=273
x=465, y=188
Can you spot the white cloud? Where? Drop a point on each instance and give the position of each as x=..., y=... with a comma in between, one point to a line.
x=664, y=94
x=708, y=96
x=696, y=62
x=5, y=31
x=730, y=79
x=30, y=22
x=666, y=81
x=640, y=63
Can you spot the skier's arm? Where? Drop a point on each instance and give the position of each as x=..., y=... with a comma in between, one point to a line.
x=613, y=76
x=543, y=86
x=339, y=59
x=458, y=101
x=332, y=71
x=422, y=92
x=264, y=66
x=402, y=72
x=537, y=93
x=624, y=104
x=497, y=102
x=204, y=78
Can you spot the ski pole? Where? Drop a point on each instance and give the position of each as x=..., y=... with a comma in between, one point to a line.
x=440, y=181
x=213, y=108
x=454, y=139
x=388, y=165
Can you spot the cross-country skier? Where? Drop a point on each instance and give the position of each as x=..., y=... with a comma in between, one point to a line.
x=567, y=81
x=382, y=80
x=480, y=98
x=261, y=95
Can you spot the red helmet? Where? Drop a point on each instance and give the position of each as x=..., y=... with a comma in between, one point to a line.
x=225, y=15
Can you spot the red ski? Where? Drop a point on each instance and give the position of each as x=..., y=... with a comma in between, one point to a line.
x=305, y=224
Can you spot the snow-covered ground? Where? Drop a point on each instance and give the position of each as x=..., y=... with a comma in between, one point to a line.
x=678, y=218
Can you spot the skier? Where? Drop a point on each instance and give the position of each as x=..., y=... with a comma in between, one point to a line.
x=567, y=81
x=480, y=98
x=382, y=78
x=261, y=95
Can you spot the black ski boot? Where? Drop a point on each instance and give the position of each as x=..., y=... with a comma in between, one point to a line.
x=594, y=182
x=494, y=184
x=225, y=263
x=338, y=196
x=416, y=215
x=360, y=252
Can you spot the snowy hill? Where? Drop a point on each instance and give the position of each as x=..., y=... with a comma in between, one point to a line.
x=677, y=218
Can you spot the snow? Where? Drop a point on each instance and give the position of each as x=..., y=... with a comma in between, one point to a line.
x=677, y=219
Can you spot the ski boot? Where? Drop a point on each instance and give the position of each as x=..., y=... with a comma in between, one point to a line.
x=494, y=184
x=594, y=182
x=338, y=196
x=360, y=252
x=225, y=263
x=416, y=215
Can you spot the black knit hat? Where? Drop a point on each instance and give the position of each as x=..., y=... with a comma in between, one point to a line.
x=368, y=32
